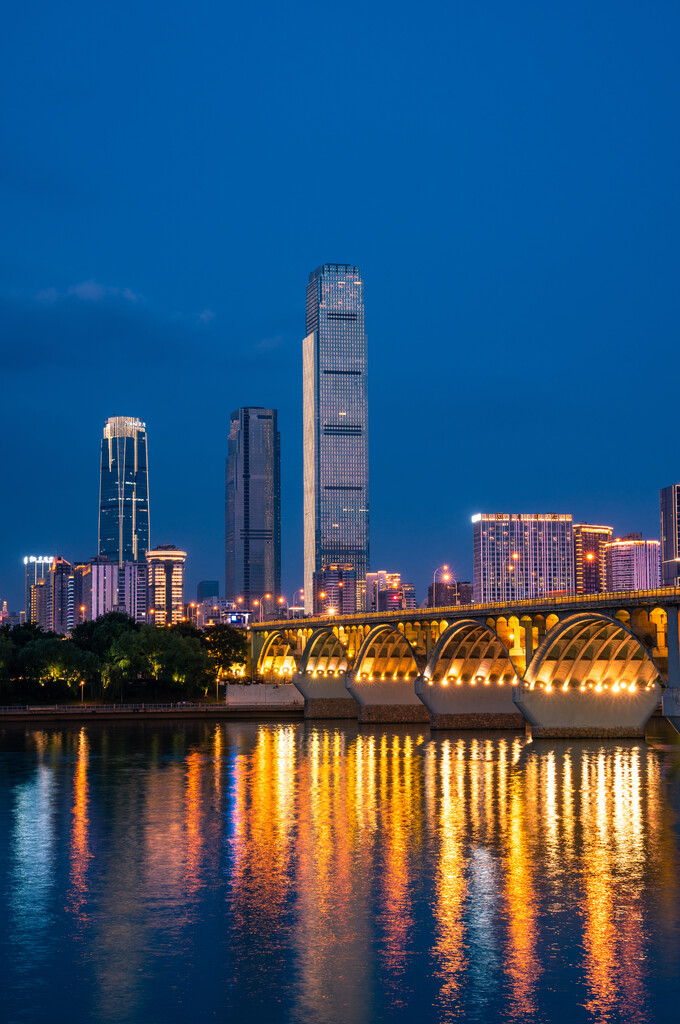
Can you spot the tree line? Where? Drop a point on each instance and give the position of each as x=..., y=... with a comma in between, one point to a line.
x=114, y=657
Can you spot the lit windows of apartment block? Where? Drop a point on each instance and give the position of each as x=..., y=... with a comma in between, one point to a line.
x=519, y=556
x=633, y=563
x=589, y=557
x=165, y=585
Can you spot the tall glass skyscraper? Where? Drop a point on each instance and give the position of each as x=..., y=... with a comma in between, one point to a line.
x=253, y=506
x=124, y=491
x=335, y=412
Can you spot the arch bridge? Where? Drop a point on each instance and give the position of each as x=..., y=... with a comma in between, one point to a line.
x=581, y=665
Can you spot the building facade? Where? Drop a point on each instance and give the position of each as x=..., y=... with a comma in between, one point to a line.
x=124, y=491
x=522, y=556
x=450, y=594
x=335, y=590
x=589, y=557
x=670, y=536
x=165, y=585
x=253, y=506
x=633, y=563
x=36, y=567
x=335, y=425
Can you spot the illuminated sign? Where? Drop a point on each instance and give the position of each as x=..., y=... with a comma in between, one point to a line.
x=39, y=559
x=477, y=518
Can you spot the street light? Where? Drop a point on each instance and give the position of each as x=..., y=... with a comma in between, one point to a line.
x=82, y=690
x=260, y=601
x=282, y=601
x=442, y=575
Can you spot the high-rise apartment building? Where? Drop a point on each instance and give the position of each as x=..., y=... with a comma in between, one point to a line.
x=670, y=536
x=36, y=567
x=386, y=591
x=589, y=557
x=61, y=596
x=124, y=491
x=335, y=590
x=166, y=584
x=522, y=556
x=104, y=586
x=253, y=506
x=335, y=415
x=633, y=563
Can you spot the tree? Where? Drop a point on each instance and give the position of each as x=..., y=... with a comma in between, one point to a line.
x=226, y=648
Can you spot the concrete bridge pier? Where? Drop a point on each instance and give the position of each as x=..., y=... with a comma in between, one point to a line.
x=386, y=700
x=326, y=695
x=670, y=703
x=470, y=704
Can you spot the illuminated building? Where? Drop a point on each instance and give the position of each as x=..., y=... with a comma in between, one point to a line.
x=670, y=536
x=521, y=556
x=124, y=491
x=335, y=590
x=104, y=586
x=36, y=567
x=253, y=506
x=589, y=557
x=133, y=590
x=449, y=594
x=60, y=583
x=633, y=563
x=335, y=425
x=385, y=591
x=39, y=606
x=165, y=584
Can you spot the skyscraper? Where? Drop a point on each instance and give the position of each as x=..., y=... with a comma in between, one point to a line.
x=124, y=491
x=589, y=558
x=166, y=584
x=36, y=567
x=335, y=413
x=633, y=563
x=522, y=556
x=670, y=536
x=253, y=506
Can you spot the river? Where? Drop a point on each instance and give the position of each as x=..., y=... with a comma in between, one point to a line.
x=334, y=873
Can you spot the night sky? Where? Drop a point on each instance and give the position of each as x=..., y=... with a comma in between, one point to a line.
x=506, y=176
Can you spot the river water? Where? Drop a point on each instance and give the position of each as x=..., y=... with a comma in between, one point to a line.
x=335, y=873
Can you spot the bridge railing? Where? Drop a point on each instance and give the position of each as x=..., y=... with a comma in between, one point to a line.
x=608, y=599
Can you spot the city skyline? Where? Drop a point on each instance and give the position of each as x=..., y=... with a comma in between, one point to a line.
x=541, y=248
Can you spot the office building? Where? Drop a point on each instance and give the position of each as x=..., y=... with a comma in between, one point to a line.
x=206, y=589
x=61, y=596
x=335, y=590
x=590, y=572
x=633, y=563
x=386, y=590
x=39, y=605
x=253, y=506
x=335, y=425
x=36, y=567
x=103, y=587
x=82, y=592
x=124, y=491
x=670, y=536
x=133, y=590
x=165, y=585
x=522, y=556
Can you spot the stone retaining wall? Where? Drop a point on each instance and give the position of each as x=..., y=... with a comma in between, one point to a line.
x=328, y=707
x=584, y=732
x=478, y=721
x=394, y=713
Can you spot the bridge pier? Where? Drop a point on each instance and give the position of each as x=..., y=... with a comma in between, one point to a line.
x=469, y=705
x=325, y=695
x=670, y=703
x=387, y=700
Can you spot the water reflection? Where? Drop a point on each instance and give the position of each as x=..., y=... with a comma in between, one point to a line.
x=343, y=874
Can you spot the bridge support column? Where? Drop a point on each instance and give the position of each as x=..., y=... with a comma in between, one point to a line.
x=671, y=698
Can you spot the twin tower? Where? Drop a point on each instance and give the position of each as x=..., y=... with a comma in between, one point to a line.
x=335, y=433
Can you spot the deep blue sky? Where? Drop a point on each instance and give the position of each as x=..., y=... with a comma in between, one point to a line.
x=506, y=175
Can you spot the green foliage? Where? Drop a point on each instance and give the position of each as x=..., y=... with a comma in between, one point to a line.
x=226, y=647
x=114, y=655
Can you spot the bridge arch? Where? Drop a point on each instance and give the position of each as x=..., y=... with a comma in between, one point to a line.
x=470, y=652
x=387, y=653
x=277, y=658
x=324, y=652
x=591, y=651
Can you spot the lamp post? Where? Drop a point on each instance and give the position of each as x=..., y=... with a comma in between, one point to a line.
x=82, y=613
x=259, y=601
x=281, y=601
x=442, y=575
x=82, y=690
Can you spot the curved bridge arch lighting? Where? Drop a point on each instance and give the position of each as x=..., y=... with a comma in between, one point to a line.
x=591, y=675
x=382, y=680
x=276, y=660
x=468, y=680
x=320, y=677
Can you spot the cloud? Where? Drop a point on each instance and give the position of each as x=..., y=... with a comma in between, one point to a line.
x=88, y=291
